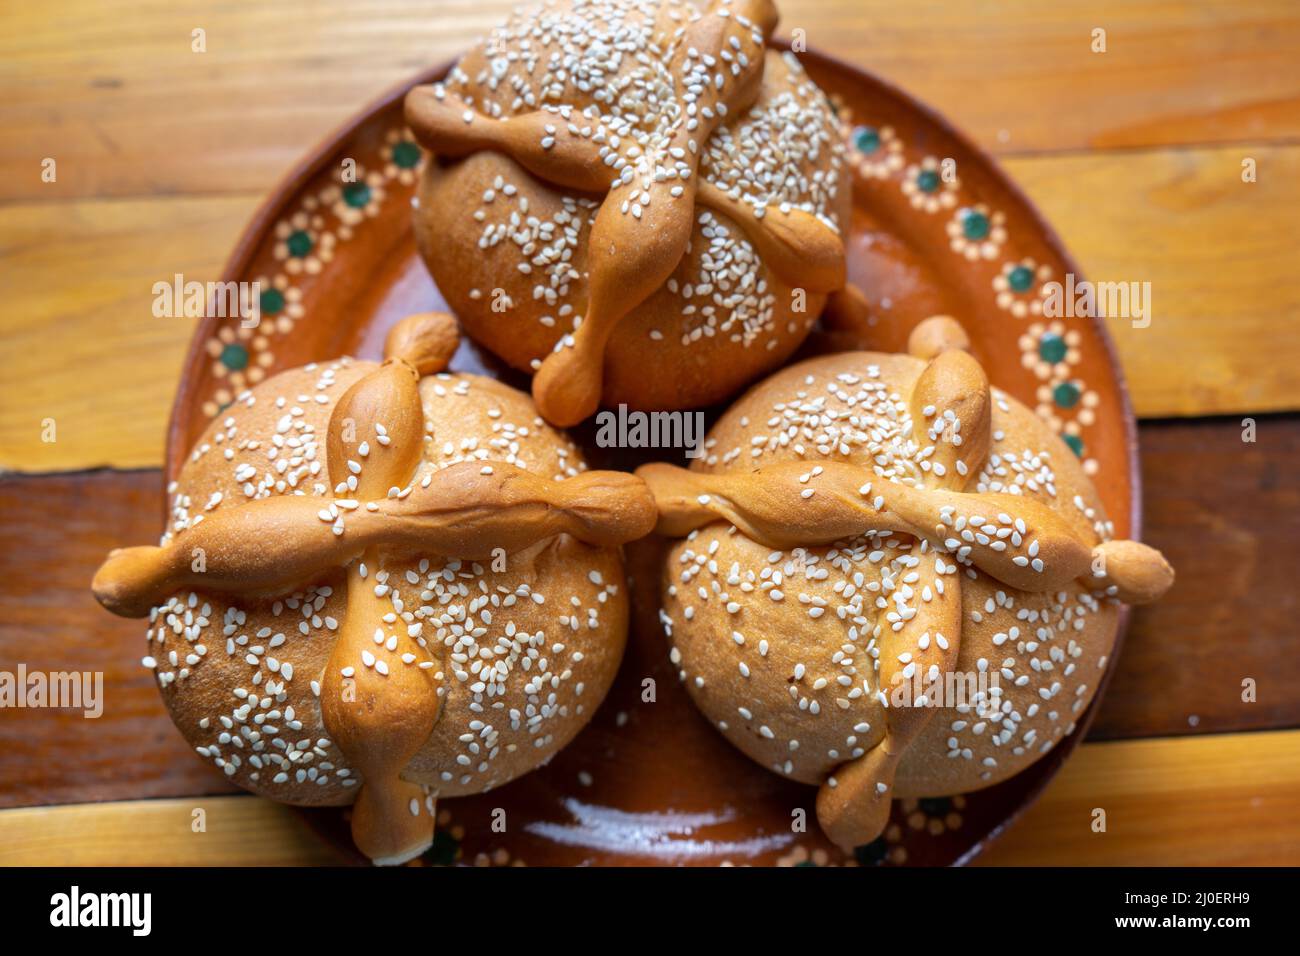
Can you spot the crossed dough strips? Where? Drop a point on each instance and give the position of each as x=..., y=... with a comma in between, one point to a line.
x=792, y=504
x=276, y=544
x=635, y=245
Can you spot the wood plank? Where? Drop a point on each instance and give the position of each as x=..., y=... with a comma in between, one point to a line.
x=127, y=109
x=1218, y=253
x=1195, y=801
x=241, y=831
x=1227, y=515
x=53, y=534
x=1020, y=76
x=1180, y=673
x=79, y=343
x=1157, y=794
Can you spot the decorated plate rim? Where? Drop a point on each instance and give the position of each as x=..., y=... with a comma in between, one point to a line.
x=312, y=163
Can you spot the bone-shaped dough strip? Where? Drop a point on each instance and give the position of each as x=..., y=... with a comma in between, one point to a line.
x=447, y=125
x=383, y=712
x=463, y=512
x=791, y=504
x=629, y=257
x=954, y=383
x=1131, y=571
x=853, y=803
x=642, y=229
x=379, y=716
x=804, y=251
x=800, y=248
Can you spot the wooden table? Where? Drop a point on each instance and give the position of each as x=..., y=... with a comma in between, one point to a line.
x=1136, y=156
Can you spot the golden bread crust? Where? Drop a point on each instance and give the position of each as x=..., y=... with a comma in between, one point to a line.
x=530, y=650
x=811, y=697
x=510, y=250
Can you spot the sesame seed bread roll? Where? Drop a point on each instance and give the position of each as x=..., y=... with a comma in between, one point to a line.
x=591, y=212
x=289, y=636
x=811, y=658
x=455, y=608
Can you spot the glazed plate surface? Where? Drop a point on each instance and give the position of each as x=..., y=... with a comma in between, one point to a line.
x=937, y=228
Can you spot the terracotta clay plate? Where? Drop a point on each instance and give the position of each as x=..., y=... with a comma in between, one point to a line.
x=936, y=229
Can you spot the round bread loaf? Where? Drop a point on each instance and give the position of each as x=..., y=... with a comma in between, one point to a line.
x=481, y=667
x=716, y=228
x=881, y=648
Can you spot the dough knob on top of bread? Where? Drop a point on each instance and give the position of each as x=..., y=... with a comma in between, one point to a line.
x=878, y=524
x=653, y=193
x=376, y=540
